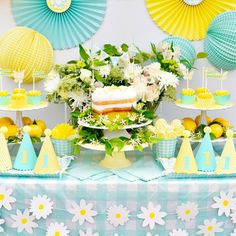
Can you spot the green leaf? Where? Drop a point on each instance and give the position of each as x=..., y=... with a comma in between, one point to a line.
x=111, y=50
x=117, y=143
x=125, y=47
x=76, y=150
x=108, y=148
x=99, y=77
x=149, y=115
x=99, y=63
x=202, y=55
x=84, y=55
x=72, y=62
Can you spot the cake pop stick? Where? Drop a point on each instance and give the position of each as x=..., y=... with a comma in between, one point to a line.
x=34, y=80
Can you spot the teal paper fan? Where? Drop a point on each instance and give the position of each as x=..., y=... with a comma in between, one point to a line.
x=66, y=23
x=220, y=42
x=187, y=49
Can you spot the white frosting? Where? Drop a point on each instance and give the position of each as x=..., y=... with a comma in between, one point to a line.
x=113, y=93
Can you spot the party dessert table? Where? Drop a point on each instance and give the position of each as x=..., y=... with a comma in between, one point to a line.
x=134, y=201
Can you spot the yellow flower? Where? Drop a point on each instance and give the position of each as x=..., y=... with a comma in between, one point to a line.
x=63, y=131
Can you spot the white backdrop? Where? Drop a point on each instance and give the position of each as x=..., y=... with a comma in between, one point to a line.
x=125, y=21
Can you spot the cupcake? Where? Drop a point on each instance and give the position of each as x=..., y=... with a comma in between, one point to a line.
x=19, y=91
x=201, y=90
x=4, y=98
x=205, y=99
x=222, y=97
x=18, y=100
x=188, y=96
x=34, y=97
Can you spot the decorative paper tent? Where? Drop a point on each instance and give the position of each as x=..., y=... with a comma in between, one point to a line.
x=187, y=18
x=25, y=49
x=65, y=23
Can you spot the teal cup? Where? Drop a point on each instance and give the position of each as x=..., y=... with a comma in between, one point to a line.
x=188, y=99
x=4, y=100
x=34, y=100
x=222, y=100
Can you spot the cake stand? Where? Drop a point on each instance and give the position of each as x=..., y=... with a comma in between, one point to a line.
x=19, y=111
x=204, y=110
x=118, y=159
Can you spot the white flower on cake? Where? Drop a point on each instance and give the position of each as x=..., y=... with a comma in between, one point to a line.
x=82, y=212
x=88, y=232
x=24, y=221
x=233, y=217
x=225, y=203
x=178, y=232
x=57, y=229
x=167, y=79
x=117, y=215
x=6, y=199
x=41, y=206
x=77, y=98
x=210, y=227
x=52, y=82
x=234, y=233
x=187, y=211
x=85, y=74
x=152, y=93
x=140, y=86
x=132, y=71
x=104, y=71
x=2, y=221
x=152, y=215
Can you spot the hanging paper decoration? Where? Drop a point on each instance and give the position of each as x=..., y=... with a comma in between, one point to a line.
x=220, y=42
x=26, y=156
x=187, y=50
x=23, y=49
x=66, y=23
x=187, y=18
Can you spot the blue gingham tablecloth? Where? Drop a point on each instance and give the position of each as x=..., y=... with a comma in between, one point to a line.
x=113, y=190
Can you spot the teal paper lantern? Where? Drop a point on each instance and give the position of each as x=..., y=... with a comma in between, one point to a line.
x=187, y=49
x=66, y=23
x=220, y=42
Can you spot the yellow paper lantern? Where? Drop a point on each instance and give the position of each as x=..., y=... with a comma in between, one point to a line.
x=25, y=49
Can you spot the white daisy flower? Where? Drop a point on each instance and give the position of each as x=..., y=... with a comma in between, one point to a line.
x=132, y=71
x=104, y=70
x=41, y=206
x=167, y=79
x=178, y=232
x=57, y=229
x=85, y=74
x=117, y=215
x=152, y=215
x=187, y=211
x=234, y=233
x=77, y=98
x=2, y=221
x=225, y=203
x=88, y=232
x=24, y=221
x=82, y=212
x=233, y=217
x=5, y=198
x=210, y=227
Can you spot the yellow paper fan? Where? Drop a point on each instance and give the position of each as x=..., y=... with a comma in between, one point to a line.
x=187, y=18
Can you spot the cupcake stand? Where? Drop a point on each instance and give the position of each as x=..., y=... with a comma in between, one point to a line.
x=118, y=159
x=19, y=111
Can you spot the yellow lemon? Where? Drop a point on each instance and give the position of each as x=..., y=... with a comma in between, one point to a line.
x=41, y=124
x=225, y=123
x=35, y=131
x=12, y=131
x=189, y=124
x=4, y=121
x=217, y=130
x=197, y=120
x=26, y=121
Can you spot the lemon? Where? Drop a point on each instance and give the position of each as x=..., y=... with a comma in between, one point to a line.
x=12, y=131
x=41, y=124
x=26, y=121
x=5, y=121
x=217, y=130
x=35, y=131
x=197, y=120
x=189, y=124
x=225, y=123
